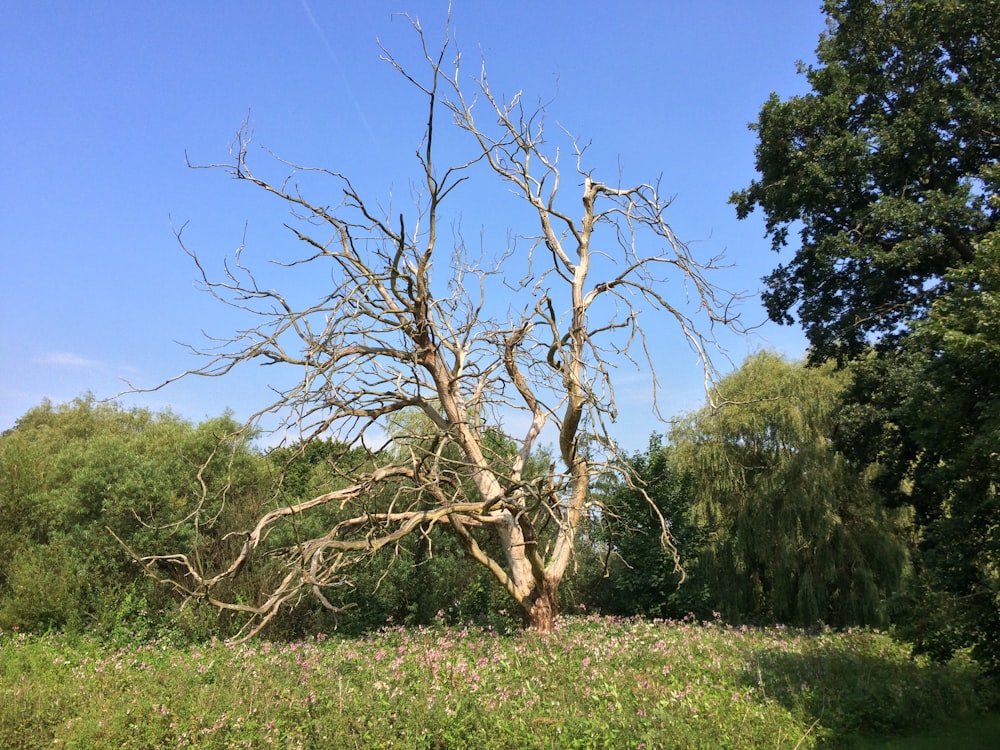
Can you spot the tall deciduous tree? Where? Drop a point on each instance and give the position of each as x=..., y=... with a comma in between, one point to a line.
x=930, y=420
x=411, y=321
x=885, y=169
x=795, y=534
x=889, y=169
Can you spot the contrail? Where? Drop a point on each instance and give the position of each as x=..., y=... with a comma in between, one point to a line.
x=340, y=68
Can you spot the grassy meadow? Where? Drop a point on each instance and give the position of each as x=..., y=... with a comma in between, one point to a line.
x=596, y=683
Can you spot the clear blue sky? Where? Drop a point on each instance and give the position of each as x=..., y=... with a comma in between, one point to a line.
x=99, y=101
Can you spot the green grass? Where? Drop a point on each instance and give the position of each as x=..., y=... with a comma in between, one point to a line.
x=596, y=683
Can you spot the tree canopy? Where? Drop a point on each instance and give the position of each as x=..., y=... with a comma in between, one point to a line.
x=72, y=473
x=81, y=481
x=885, y=169
x=641, y=576
x=795, y=534
x=929, y=422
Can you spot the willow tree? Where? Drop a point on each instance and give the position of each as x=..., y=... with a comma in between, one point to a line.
x=521, y=346
x=795, y=533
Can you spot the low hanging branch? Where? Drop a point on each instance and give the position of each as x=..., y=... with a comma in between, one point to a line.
x=392, y=338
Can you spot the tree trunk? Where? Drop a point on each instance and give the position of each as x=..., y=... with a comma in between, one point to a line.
x=541, y=613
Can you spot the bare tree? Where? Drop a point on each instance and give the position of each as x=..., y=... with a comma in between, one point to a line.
x=411, y=325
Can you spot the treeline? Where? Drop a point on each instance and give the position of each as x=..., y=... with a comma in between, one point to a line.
x=87, y=487
x=772, y=523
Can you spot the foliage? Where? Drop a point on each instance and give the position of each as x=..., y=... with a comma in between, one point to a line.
x=70, y=474
x=932, y=430
x=795, y=534
x=74, y=473
x=889, y=169
x=885, y=169
x=641, y=576
x=424, y=578
x=600, y=683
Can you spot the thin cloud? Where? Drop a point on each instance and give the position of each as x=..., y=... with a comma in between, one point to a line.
x=68, y=359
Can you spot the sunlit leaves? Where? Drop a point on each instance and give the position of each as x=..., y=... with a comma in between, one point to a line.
x=73, y=473
x=885, y=170
x=796, y=534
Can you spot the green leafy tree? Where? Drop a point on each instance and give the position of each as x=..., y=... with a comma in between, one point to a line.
x=641, y=577
x=795, y=534
x=931, y=423
x=72, y=473
x=888, y=170
x=885, y=169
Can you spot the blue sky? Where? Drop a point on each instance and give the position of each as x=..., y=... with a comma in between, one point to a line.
x=100, y=102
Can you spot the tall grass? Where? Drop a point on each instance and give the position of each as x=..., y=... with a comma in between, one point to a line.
x=595, y=683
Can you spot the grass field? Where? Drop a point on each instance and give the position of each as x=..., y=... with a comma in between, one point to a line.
x=595, y=683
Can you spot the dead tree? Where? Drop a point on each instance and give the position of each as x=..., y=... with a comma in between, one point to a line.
x=413, y=323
